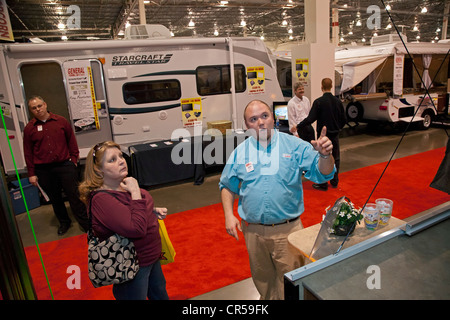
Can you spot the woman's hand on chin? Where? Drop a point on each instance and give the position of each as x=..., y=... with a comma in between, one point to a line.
x=131, y=185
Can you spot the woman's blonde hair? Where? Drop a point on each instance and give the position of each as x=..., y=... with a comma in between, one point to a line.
x=93, y=174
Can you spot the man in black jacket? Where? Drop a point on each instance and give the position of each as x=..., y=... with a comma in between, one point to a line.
x=328, y=111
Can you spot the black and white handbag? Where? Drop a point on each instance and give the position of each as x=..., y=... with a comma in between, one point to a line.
x=111, y=261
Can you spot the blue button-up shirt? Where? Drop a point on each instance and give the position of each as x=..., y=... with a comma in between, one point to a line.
x=269, y=180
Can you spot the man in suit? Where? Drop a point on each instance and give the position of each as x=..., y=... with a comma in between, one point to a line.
x=328, y=111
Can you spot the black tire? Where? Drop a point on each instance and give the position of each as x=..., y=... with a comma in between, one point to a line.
x=427, y=116
x=354, y=111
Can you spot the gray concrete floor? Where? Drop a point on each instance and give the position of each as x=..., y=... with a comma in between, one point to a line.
x=361, y=146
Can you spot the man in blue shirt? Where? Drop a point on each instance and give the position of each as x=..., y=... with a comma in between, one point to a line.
x=265, y=171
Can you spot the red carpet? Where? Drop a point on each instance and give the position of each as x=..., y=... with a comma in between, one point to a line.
x=208, y=259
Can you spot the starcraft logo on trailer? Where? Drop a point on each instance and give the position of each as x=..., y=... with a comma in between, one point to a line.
x=135, y=59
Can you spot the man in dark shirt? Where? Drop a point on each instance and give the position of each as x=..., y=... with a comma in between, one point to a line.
x=51, y=154
x=329, y=112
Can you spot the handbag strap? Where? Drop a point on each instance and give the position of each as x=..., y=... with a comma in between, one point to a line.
x=93, y=193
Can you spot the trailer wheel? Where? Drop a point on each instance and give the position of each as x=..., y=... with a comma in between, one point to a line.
x=354, y=111
x=427, y=120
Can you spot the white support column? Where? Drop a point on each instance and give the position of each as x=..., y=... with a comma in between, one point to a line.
x=445, y=21
x=142, y=16
x=315, y=58
x=335, y=26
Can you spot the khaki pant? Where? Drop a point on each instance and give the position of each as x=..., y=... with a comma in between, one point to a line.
x=271, y=256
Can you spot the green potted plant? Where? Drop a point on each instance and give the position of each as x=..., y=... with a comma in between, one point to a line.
x=346, y=219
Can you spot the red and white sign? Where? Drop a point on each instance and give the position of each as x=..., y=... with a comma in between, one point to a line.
x=5, y=24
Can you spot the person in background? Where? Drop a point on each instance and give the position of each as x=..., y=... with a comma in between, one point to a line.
x=265, y=171
x=328, y=111
x=51, y=155
x=128, y=210
x=298, y=109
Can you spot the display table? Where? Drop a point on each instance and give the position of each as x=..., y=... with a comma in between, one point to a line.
x=401, y=268
x=167, y=161
x=217, y=149
x=152, y=163
x=303, y=240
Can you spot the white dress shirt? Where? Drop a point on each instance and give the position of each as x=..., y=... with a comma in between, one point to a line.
x=297, y=111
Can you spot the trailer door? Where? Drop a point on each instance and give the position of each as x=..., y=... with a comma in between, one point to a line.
x=68, y=97
x=11, y=125
x=87, y=103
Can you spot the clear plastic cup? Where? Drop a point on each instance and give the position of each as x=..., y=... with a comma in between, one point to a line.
x=385, y=207
x=371, y=216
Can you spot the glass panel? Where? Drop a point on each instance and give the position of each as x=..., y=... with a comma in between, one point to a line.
x=216, y=79
x=151, y=91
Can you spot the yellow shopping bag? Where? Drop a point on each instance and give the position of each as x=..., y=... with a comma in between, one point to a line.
x=167, y=250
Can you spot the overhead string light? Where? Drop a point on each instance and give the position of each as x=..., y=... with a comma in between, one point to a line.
x=243, y=22
x=358, y=19
x=191, y=23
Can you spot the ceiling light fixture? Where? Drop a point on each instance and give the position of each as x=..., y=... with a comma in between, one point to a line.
x=424, y=10
x=61, y=26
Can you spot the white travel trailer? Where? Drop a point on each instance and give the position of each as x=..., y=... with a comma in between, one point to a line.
x=380, y=83
x=133, y=91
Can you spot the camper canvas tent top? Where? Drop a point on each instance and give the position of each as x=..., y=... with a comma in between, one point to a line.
x=356, y=63
x=380, y=82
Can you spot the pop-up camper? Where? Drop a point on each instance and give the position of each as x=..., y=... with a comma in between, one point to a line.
x=379, y=82
x=134, y=90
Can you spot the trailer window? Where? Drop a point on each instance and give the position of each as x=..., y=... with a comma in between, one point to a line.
x=151, y=91
x=216, y=79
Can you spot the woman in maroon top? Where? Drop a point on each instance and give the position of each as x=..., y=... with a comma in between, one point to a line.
x=127, y=210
